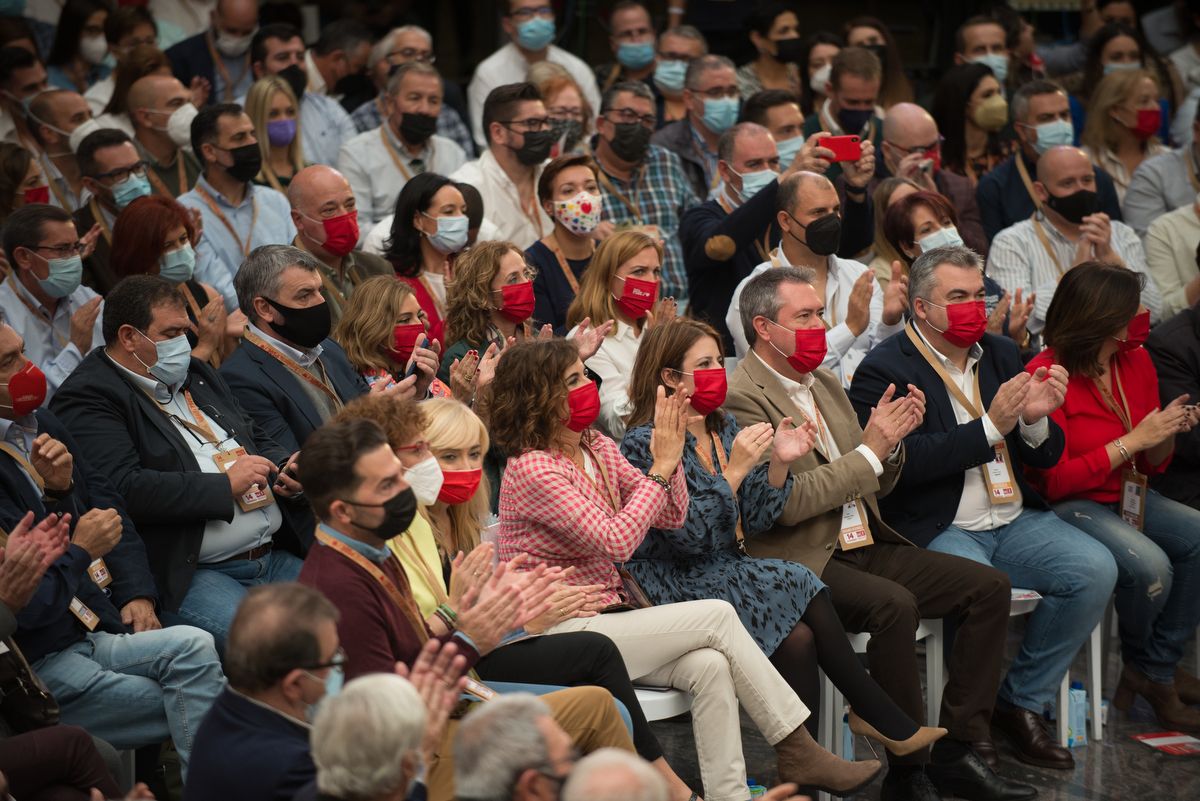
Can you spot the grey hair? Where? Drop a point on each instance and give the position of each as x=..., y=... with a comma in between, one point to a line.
x=635, y=88
x=360, y=735
x=611, y=774
x=383, y=47
x=418, y=67
x=699, y=66
x=760, y=296
x=920, y=274
x=728, y=140
x=686, y=32
x=495, y=743
x=258, y=277
x=1019, y=107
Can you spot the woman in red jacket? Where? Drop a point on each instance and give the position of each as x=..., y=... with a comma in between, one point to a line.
x=1116, y=437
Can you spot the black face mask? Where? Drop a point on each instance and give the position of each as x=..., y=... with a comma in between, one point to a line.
x=566, y=131
x=297, y=78
x=536, y=148
x=789, y=51
x=247, y=161
x=398, y=514
x=1075, y=206
x=417, y=128
x=824, y=234
x=305, y=327
x=880, y=51
x=631, y=141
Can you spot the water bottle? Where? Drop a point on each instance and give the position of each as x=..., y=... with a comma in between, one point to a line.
x=1077, y=711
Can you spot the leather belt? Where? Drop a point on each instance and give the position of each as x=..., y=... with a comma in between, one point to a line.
x=250, y=555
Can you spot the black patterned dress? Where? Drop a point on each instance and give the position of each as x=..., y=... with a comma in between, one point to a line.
x=702, y=560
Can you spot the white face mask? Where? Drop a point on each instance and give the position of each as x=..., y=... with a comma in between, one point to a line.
x=93, y=49
x=820, y=78
x=425, y=478
x=233, y=46
x=179, y=125
x=81, y=133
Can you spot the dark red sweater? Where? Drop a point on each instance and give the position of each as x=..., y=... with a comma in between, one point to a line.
x=374, y=632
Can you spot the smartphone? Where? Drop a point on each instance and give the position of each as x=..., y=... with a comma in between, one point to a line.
x=845, y=148
x=412, y=368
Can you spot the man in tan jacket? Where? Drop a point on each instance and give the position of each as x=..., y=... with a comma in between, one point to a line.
x=880, y=583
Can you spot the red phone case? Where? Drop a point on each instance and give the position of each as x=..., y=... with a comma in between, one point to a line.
x=845, y=148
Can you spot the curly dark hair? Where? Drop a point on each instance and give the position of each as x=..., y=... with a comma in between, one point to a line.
x=529, y=394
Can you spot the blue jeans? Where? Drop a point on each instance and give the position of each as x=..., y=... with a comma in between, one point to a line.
x=137, y=689
x=1075, y=578
x=1158, y=584
x=544, y=689
x=216, y=590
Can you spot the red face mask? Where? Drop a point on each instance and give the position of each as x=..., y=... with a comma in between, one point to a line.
x=711, y=386
x=583, y=404
x=966, y=322
x=39, y=194
x=1149, y=120
x=935, y=155
x=810, y=351
x=458, y=486
x=637, y=298
x=27, y=389
x=341, y=233
x=1135, y=337
x=518, y=301
x=404, y=339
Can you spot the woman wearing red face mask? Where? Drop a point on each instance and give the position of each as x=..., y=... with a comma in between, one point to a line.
x=732, y=494
x=1123, y=119
x=570, y=499
x=621, y=284
x=1118, y=433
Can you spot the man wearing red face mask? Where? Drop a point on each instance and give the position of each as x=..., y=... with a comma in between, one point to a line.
x=880, y=583
x=963, y=491
x=325, y=212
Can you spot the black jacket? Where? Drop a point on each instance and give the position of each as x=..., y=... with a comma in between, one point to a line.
x=1175, y=348
x=191, y=58
x=939, y=453
x=123, y=434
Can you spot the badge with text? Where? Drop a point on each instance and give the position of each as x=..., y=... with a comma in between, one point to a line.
x=99, y=573
x=1133, y=498
x=257, y=497
x=479, y=690
x=86, y=616
x=855, y=533
x=998, y=474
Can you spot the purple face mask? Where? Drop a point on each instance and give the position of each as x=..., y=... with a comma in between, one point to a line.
x=281, y=132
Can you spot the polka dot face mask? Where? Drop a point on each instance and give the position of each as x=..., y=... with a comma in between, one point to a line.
x=581, y=214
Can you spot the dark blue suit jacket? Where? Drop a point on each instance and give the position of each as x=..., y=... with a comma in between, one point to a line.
x=938, y=454
x=190, y=58
x=272, y=394
x=45, y=624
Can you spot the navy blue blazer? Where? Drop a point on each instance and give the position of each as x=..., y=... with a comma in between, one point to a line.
x=191, y=58
x=272, y=395
x=45, y=624
x=939, y=452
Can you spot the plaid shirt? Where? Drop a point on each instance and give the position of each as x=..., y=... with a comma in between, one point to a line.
x=555, y=513
x=660, y=190
x=367, y=117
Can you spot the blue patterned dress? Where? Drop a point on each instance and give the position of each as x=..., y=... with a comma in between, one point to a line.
x=702, y=560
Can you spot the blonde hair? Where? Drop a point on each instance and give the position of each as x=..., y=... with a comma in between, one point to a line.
x=258, y=108
x=365, y=330
x=469, y=301
x=450, y=425
x=1100, y=130
x=595, y=298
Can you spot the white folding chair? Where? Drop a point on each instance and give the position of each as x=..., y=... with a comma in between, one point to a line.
x=660, y=703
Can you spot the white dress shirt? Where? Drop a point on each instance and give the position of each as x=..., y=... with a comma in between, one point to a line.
x=507, y=65
x=48, y=336
x=1018, y=260
x=367, y=163
x=502, y=201
x=99, y=94
x=614, y=364
x=304, y=358
x=247, y=530
x=1171, y=256
x=316, y=81
x=846, y=351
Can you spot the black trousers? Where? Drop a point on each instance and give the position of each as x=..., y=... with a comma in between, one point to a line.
x=57, y=763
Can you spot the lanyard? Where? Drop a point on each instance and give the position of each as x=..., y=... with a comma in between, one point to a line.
x=63, y=202
x=435, y=584
x=219, y=63
x=41, y=314
x=1122, y=410
x=706, y=460
x=404, y=602
x=972, y=407
x=629, y=204
x=200, y=428
x=99, y=218
x=296, y=369
x=1045, y=240
x=1021, y=168
x=552, y=243
x=212, y=205
x=161, y=187
x=391, y=149
x=20, y=459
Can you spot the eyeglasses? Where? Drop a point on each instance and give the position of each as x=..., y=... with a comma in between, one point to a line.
x=416, y=447
x=121, y=173
x=339, y=660
x=526, y=14
x=412, y=54
x=63, y=251
x=530, y=125
x=564, y=113
x=628, y=115
x=719, y=92
x=920, y=148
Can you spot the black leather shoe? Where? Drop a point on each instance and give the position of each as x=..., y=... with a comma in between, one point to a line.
x=987, y=752
x=908, y=785
x=968, y=777
x=1027, y=733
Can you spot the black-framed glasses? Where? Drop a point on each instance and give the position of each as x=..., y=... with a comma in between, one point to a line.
x=628, y=115
x=921, y=148
x=121, y=173
x=412, y=54
x=338, y=661
x=63, y=251
x=719, y=92
x=528, y=125
x=525, y=14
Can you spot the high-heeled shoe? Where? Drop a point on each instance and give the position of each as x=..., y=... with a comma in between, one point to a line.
x=925, y=736
x=803, y=761
x=1163, y=699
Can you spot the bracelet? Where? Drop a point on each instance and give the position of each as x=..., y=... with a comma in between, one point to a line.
x=660, y=481
x=447, y=616
x=1121, y=447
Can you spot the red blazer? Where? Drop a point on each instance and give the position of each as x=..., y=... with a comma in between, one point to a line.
x=1089, y=425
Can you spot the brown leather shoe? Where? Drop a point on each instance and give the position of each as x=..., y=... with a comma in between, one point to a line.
x=986, y=750
x=1187, y=686
x=1029, y=739
x=1163, y=698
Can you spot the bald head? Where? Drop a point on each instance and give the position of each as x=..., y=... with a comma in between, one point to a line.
x=236, y=17
x=1064, y=158
x=909, y=125
x=802, y=189
x=1065, y=174
x=153, y=98
x=315, y=194
x=610, y=774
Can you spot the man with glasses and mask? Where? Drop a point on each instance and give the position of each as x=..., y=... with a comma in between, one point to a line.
x=43, y=299
x=506, y=175
x=400, y=46
x=529, y=25
x=161, y=112
x=237, y=215
x=1068, y=229
x=379, y=162
x=221, y=54
x=201, y=482
x=712, y=99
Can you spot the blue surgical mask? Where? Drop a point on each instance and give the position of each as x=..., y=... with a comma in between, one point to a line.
x=174, y=358
x=536, y=33
x=669, y=75
x=720, y=114
x=333, y=686
x=178, y=265
x=130, y=189
x=788, y=148
x=998, y=62
x=942, y=238
x=64, y=277
x=635, y=56
x=754, y=182
x=451, y=236
x=1121, y=66
x=1052, y=134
